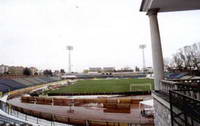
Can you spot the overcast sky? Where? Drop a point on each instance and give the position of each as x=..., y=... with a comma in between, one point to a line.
x=103, y=32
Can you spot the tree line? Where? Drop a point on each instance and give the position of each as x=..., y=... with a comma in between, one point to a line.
x=28, y=72
x=186, y=59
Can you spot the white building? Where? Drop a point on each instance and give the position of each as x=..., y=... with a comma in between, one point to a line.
x=149, y=69
x=3, y=69
x=95, y=69
x=108, y=69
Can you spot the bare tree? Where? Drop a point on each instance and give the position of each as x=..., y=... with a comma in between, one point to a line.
x=196, y=55
x=168, y=64
x=187, y=58
x=178, y=62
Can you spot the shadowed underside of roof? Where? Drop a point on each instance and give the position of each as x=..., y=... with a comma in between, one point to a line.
x=170, y=5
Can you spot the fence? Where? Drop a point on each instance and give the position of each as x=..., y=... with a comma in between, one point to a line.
x=184, y=99
x=76, y=102
x=114, y=105
x=48, y=119
x=186, y=86
x=185, y=111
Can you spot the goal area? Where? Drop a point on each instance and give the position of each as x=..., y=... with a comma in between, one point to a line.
x=141, y=87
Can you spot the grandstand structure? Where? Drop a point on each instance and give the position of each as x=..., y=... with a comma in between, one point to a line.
x=19, y=108
x=13, y=87
x=100, y=75
x=176, y=101
x=19, y=83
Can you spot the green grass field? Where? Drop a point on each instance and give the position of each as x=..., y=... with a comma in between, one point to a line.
x=98, y=86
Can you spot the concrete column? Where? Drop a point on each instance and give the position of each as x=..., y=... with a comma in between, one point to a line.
x=158, y=66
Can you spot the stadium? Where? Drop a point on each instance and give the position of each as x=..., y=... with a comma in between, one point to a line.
x=170, y=99
x=41, y=101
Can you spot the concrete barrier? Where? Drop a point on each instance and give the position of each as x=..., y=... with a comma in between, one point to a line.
x=77, y=102
x=44, y=101
x=66, y=120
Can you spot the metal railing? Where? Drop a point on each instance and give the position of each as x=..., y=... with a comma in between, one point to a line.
x=49, y=119
x=28, y=118
x=184, y=99
x=185, y=111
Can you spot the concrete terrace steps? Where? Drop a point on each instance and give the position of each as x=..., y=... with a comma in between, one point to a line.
x=40, y=80
x=31, y=80
x=22, y=81
x=11, y=84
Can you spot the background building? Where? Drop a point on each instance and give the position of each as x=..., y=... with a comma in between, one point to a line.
x=34, y=70
x=3, y=69
x=15, y=70
x=109, y=69
x=95, y=69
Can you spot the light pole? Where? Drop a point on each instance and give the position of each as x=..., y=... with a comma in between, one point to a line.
x=142, y=47
x=69, y=49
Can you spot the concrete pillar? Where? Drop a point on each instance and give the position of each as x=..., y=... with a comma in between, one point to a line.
x=158, y=66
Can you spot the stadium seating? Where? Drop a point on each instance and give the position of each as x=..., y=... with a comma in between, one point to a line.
x=4, y=88
x=49, y=79
x=19, y=83
x=32, y=81
x=22, y=81
x=45, y=79
x=175, y=75
x=11, y=84
x=39, y=80
x=55, y=78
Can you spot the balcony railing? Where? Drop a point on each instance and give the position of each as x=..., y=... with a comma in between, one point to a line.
x=185, y=111
x=184, y=99
x=167, y=85
x=187, y=87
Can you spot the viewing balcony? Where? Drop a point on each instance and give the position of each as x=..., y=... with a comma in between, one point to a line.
x=182, y=98
x=185, y=87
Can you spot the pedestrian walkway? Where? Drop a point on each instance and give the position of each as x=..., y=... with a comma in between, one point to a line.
x=86, y=112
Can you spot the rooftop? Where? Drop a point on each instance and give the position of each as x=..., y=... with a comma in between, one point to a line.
x=170, y=5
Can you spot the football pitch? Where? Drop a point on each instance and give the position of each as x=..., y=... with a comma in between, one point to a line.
x=104, y=86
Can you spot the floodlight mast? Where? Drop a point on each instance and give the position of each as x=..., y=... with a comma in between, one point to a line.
x=142, y=47
x=69, y=49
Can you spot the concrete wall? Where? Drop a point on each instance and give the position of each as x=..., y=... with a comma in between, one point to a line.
x=162, y=114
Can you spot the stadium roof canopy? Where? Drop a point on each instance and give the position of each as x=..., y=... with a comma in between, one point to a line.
x=170, y=5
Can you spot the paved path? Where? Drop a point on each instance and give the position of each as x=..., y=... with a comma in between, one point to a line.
x=85, y=112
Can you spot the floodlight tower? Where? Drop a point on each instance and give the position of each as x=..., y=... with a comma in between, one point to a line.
x=69, y=49
x=142, y=47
